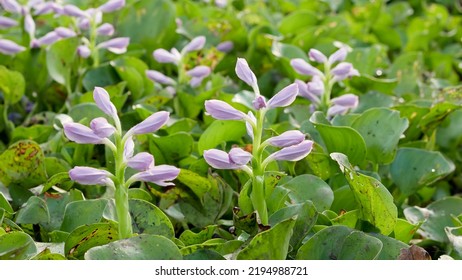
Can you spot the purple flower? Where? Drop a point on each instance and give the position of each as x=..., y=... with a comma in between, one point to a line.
x=302, y=67
x=343, y=71
x=46, y=39
x=111, y=6
x=164, y=56
x=101, y=127
x=129, y=148
x=292, y=153
x=159, y=175
x=81, y=134
x=259, y=102
x=44, y=8
x=29, y=25
x=141, y=161
x=199, y=71
x=195, y=44
x=341, y=104
x=9, y=47
x=221, y=110
x=116, y=45
x=11, y=6
x=84, y=23
x=103, y=102
x=7, y=22
x=286, y=139
x=89, y=176
x=106, y=29
x=151, y=124
x=338, y=56
x=74, y=11
x=160, y=78
x=244, y=73
x=317, y=56
x=285, y=97
x=248, y=125
x=239, y=156
x=64, y=32
x=221, y=160
x=225, y=46
x=83, y=51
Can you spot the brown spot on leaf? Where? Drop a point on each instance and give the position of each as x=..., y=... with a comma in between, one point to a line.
x=414, y=253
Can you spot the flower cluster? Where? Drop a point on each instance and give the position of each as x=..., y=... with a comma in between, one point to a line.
x=89, y=20
x=318, y=90
x=293, y=144
x=196, y=75
x=123, y=147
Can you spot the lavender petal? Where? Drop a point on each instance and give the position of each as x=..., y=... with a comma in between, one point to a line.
x=103, y=101
x=239, y=156
x=151, y=124
x=160, y=175
x=116, y=45
x=9, y=47
x=111, y=6
x=141, y=161
x=286, y=139
x=89, y=176
x=6, y=22
x=317, y=56
x=101, y=127
x=293, y=153
x=64, y=32
x=219, y=159
x=302, y=67
x=244, y=73
x=160, y=78
x=225, y=47
x=200, y=71
x=105, y=29
x=81, y=134
x=221, y=110
x=285, y=97
x=195, y=44
x=338, y=56
x=164, y=56
x=83, y=51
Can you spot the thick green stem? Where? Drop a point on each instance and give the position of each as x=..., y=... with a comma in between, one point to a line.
x=121, y=195
x=325, y=99
x=258, y=182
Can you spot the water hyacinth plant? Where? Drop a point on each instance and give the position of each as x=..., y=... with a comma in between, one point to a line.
x=293, y=145
x=122, y=147
x=319, y=89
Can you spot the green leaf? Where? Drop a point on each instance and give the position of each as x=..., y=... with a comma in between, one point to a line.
x=141, y=247
x=83, y=212
x=17, y=246
x=272, y=244
x=150, y=23
x=57, y=180
x=132, y=70
x=56, y=205
x=391, y=247
x=190, y=238
x=310, y=188
x=340, y=242
x=381, y=129
x=375, y=201
x=455, y=238
x=297, y=21
x=86, y=237
x=194, y=182
x=34, y=212
x=174, y=147
x=404, y=231
x=4, y=204
x=100, y=77
x=60, y=59
x=435, y=217
x=204, y=254
x=47, y=255
x=340, y=139
x=39, y=133
x=436, y=116
x=22, y=165
x=149, y=219
x=219, y=132
x=12, y=85
x=414, y=168
x=305, y=217
x=87, y=111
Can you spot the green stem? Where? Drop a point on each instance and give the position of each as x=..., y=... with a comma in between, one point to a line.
x=9, y=124
x=121, y=195
x=258, y=187
x=93, y=49
x=325, y=100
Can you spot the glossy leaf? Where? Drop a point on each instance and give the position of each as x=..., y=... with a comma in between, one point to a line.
x=141, y=247
x=34, y=212
x=149, y=219
x=219, y=132
x=16, y=246
x=272, y=244
x=375, y=201
x=413, y=169
x=12, y=85
x=310, y=188
x=83, y=212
